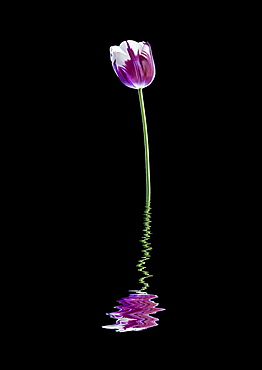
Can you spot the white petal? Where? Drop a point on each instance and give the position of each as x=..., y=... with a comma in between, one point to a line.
x=114, y=50
x=121, y=58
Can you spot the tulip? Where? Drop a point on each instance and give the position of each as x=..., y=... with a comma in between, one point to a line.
x=134, y=65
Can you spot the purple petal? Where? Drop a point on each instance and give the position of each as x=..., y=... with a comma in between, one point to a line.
x=123, y=76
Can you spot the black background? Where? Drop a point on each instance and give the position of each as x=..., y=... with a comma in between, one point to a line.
x=82, y=165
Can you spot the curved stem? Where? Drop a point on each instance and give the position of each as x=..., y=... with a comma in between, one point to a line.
x=143, y=114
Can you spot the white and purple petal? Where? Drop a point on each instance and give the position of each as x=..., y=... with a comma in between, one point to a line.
x=135, y=46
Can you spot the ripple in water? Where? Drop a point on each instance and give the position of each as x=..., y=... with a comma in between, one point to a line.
x=135, y=310
x=134, y=313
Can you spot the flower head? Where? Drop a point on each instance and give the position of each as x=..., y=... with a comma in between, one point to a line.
x=133, y=63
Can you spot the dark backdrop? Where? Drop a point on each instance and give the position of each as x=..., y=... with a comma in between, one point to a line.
x=86, y=160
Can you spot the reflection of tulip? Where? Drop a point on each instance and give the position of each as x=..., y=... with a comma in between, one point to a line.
x=133, y=63
x=134, y=314
x=146, y=247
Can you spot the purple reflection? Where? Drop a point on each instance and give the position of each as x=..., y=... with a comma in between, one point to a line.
x=134, y=313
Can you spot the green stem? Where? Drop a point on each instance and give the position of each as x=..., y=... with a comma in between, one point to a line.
x=143, y=114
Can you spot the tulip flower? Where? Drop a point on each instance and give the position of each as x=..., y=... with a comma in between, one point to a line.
x=134, y=65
